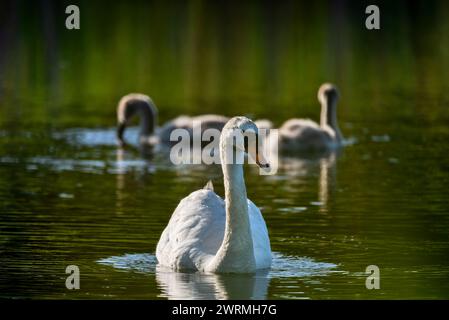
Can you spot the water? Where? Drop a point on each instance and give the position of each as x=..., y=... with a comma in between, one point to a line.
x=183, y=285
x=69, y=196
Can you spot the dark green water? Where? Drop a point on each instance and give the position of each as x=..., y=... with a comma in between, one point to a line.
x=69, y=196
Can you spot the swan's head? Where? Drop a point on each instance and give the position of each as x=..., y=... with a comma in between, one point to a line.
x=243, y=134
x=135, y=104
x=328, y=93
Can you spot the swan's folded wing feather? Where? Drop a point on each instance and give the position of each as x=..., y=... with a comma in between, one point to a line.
x=181, y=122
x=303, y=134
x=194, y=232
x=294, y=124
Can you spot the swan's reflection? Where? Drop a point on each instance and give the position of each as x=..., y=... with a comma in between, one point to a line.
x=120, y=183
x=327, y=180
x=200, y=286
x=298, y=171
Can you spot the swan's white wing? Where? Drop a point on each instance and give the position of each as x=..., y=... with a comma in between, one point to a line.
x=261, y=240
x=194, y=232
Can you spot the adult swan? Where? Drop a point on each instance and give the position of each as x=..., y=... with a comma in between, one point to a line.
x=209, y=234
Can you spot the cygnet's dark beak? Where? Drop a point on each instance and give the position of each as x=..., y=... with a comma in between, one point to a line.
x=120, y=130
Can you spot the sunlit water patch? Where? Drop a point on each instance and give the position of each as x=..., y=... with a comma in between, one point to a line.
x=97, y=137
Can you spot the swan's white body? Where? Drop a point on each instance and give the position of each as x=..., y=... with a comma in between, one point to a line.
x=196, y=230
x=209, y=234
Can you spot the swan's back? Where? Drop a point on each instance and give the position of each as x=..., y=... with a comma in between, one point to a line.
x=211, y=121
x=298, y=135
x=208, y=121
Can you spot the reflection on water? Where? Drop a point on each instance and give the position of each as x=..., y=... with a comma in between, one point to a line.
x=96, y=137
x=195, y=285
x=293, y=170
x=327, y=178
x=88, y=166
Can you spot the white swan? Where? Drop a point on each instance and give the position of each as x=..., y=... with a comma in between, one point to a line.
x=143, y=106
x=304, y=135
x=209, y=234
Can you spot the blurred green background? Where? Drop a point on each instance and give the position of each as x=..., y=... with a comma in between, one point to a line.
x=258, y=57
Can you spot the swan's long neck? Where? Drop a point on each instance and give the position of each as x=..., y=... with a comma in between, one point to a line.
x=329, y=117
x=236, y=253
x=147, y=121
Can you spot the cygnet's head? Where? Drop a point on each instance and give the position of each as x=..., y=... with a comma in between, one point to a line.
x=328, y=93
x=136, y=104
